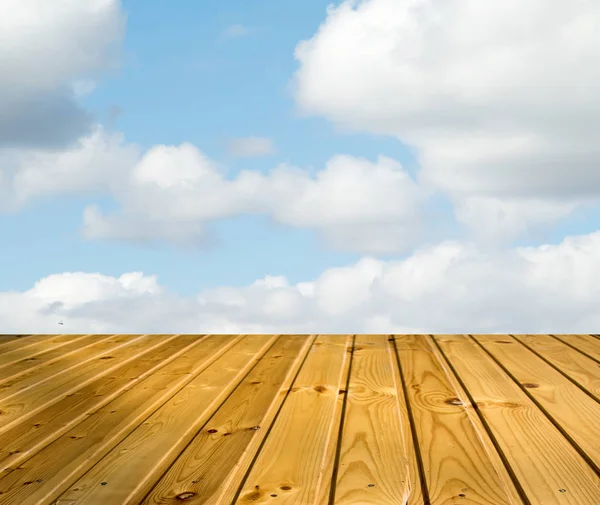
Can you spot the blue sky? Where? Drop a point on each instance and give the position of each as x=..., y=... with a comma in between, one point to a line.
x=418, y=160
x=183, y=80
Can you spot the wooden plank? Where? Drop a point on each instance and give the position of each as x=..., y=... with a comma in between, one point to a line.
x=576, y=413
x=415, y=496
x=11, y=370
x=548, y=468
x=38, y=349
x=49, y=473
x=579, y=368
x=5, y=339
x=32, y=340
x=29, y=394
x=132, y=467
x=210, y=469
x=296, y=448
x=455, y=461
x=586, y=344
x=506, y=481
x=34, y=377
x=26, y=439
x=330, y=460
x=373, y=464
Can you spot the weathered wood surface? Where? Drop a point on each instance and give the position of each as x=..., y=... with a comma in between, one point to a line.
x=300, y=419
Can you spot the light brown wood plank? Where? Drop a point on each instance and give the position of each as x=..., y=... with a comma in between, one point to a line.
x=585, y=343
x=30, y=393
x=415, y=496
x=36, y=376
x=29, y=342
x=574, y=411
x=26, y=439
x=5, y=339
x=456, y=463
x=373, y=464
x=295, y=450
x=572, y=363
x=210, y=469
x=330, y=459
x=11, y=370
x=36, y=350
x=506, y=481
x=548, y=468
x=49, y=473
x=133, y=466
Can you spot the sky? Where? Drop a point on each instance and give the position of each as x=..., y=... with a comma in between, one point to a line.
x=365, y=166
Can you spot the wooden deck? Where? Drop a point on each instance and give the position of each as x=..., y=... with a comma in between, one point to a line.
x=300, y=419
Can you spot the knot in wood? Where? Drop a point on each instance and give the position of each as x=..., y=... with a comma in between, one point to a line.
x=185, y=496
x=530, y=385
x=453, y=401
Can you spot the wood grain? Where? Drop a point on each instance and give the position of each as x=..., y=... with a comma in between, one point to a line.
x=325, y=494
x=373, y=464
x=576, y=413
x=294, y=453
x=340, y=419
x=30, y=362
x=579, y=368
x=26, y=439
x=49, y=473
x=132, y=467
x=548, y=468
x=586, y=344
x=415, y=496
x=28, y=344
x=455, y=462
x=211, y=468
x=29, y=393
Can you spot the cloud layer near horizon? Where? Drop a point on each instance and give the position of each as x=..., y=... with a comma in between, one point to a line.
x=447, y=288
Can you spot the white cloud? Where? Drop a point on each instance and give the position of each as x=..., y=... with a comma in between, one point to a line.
x=499, y=99
x=451, y=287
x=251, y=147
x=174, y=192
x=51, y=52
x=235, y=31
x=98, y=162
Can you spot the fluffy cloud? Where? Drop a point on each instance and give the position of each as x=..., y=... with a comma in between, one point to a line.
x=448, y=288
x=51, y=51
x=98, y=162
x=499, y=99
x=174, y=192
x=251, y=147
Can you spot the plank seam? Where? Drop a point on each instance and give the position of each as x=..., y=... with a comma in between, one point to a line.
x=207, y=421
x=573, y=347
x=338, y=447
x=556, y=424
x=171, y=394
x=413, y=430
x=264, y=440
x=99, y=406
x=581, y=387
x=487, y=428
